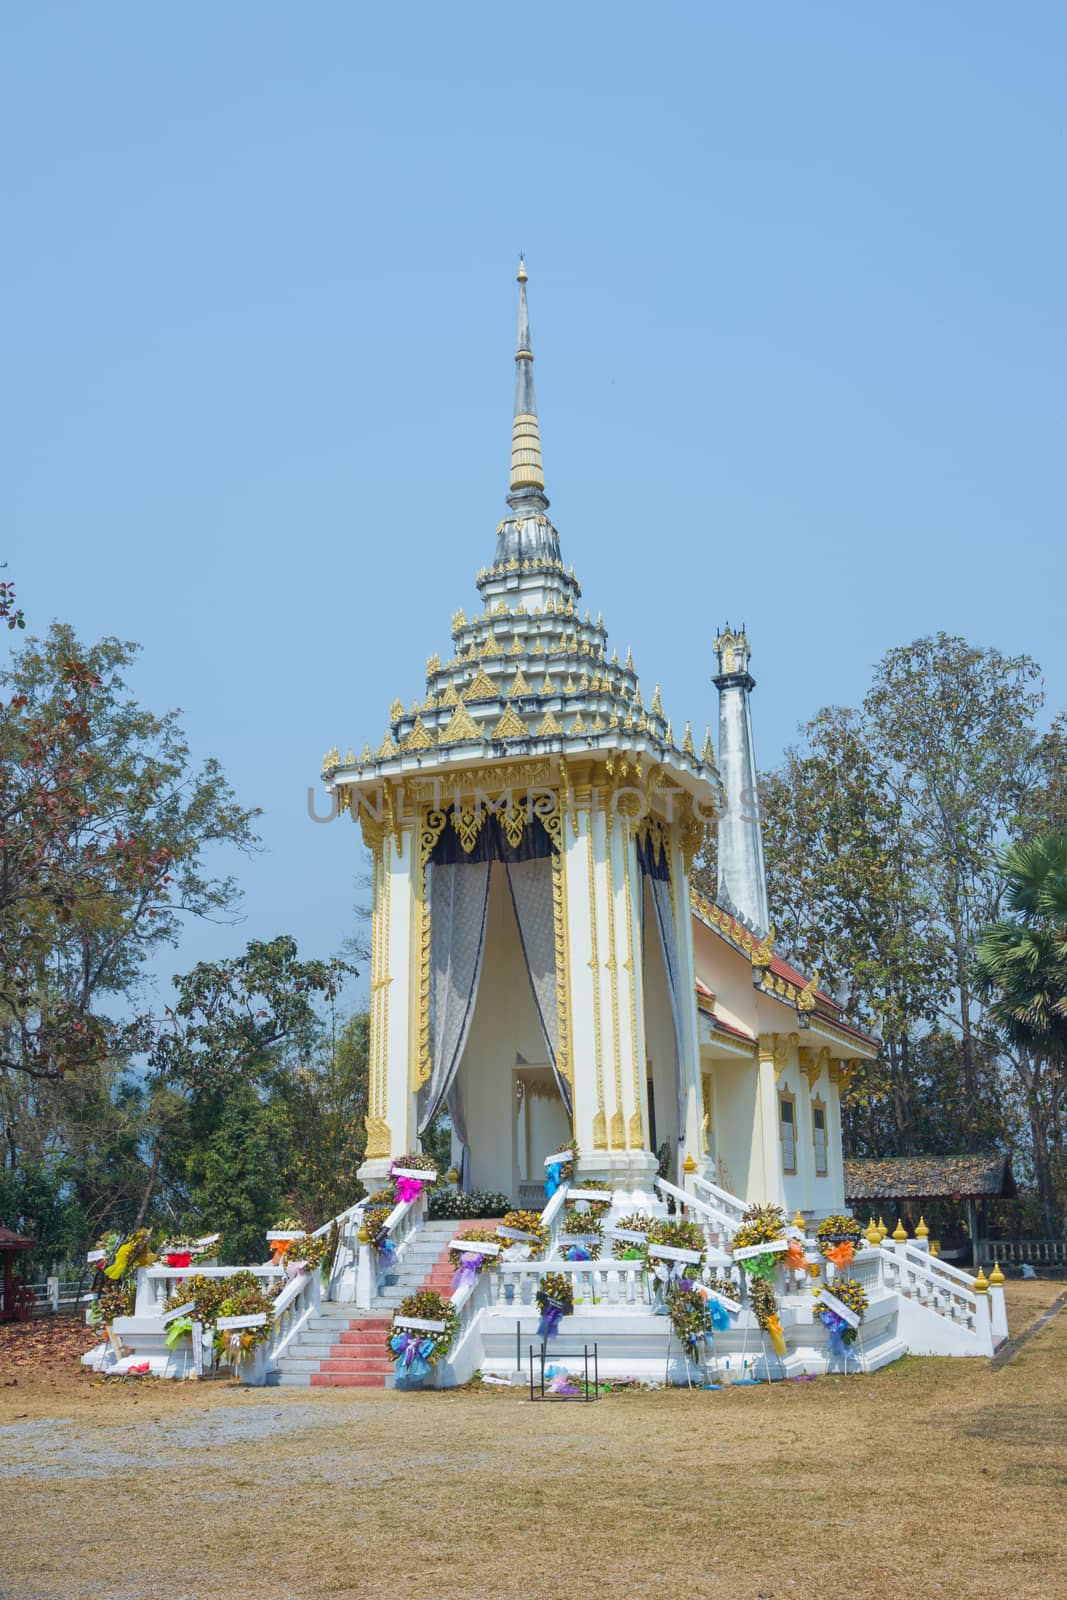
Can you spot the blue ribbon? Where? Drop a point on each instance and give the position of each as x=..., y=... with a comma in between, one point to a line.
x=411, y=1354
x=720, y=1317
x=551, y=1317
x=836, y=1327
x=578, y=1252
x=553, y=1179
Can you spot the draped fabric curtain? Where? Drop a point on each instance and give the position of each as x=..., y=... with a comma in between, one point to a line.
x=657, y=874
x=459, y=902
x=530, y=883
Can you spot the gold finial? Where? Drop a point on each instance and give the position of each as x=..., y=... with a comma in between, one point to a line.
x=882, y=1229
x=798, y=1220
x=922, y=1231
x=523, y=276
x=396, y=710
x=629, y=659
x=981, y=1283
x=996, y=1277
x=687, y=742
x=657, y=704
x=900, y=1233
x=689, y=1165
x=873, y=1236
x=707, y=755
x=669, y=736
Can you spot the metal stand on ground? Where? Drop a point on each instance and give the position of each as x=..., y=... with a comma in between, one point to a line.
x=590, y=1390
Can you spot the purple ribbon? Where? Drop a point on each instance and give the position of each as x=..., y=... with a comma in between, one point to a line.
x=551, y=1317
x=411, y=1351
x=836, y=1327
x=469, y=1266
x=578, y=1252
x=408, y=1189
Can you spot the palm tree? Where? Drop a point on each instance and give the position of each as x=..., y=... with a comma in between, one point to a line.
x=1021, y=970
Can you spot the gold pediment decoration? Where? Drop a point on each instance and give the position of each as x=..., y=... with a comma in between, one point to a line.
x=418, y=739
x=549, y=728
x=449, y=697
x=481, y=687
x=387, y=748
x=578, y=725
x=510, y=726
x=433, y=665
x=462, y=728
x=519, y=685
x=516, y=647
x=396, y=710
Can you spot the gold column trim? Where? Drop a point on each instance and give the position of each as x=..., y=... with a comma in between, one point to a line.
x=553, y=825
x=583, y=801
x=618, y=1126
x=430, y=830
x=637, y=1127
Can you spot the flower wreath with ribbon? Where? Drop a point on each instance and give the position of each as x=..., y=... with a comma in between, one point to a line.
x=416, y=1351
x=764, y=1303
x=531, y=1249
x=629, y=1249
x=692, y=1316
x=117, y=1300
x=181, y=1251
x=760, y=1225
x=597, y=1208
x=470, y=1264
x=555, y=1300
x=839, y=1238
x=280, y=1247
x=410, y=1188
x=372, y=1231
x=585, y=1232
x=134, y=1251
x=851, y=1294
x=560, y=1172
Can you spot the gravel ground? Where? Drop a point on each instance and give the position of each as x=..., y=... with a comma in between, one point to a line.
x=930, y=1478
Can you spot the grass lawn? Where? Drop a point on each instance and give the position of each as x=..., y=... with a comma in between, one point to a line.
x=931, y=1477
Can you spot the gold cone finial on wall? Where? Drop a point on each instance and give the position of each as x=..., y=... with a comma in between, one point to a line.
x=527, y=471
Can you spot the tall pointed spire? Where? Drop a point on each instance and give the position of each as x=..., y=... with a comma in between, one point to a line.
x=527, y=471
x=742, y=885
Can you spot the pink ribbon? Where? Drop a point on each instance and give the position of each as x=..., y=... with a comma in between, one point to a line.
x=408, y=1189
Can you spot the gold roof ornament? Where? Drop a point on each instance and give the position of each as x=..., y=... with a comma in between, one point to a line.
x=546, y=686
x=578, y=725
x=996, y=1277
x=981, y=1283
x=922, y=1231
x=519, y=685
x=629, y=659
x=656, y=707
x=688, y=747
x=516, y=647
x=387, y=748
x=396, y=710
x=806, y=997
x=481, y=687
x=418, y=739
x=670, y=731
x=598, y=723
x=459, y=620
x=331, y=759
x=433, y=665
x=570, y=687
x=900, y=1233
x=367, y=755
x=549, y=728
x=462, y=728
x=448, y=696
x=510, y=726
x=707, y=755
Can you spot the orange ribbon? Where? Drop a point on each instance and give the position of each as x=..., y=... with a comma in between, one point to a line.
x=840, y=1254
x=794, y=1259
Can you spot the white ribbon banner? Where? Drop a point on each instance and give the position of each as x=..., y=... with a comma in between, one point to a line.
x=628, y=1235
x=256, y=1320
x=420, y=1174
x=589, y=1194
x=518, y=1235
x=179, y=1311
x=96, y=1255
x=750, y=1250
x=479, y=1247
x=561, y=1156
x=723, y=1300
x=280, y=1236
x=420, y=1324
x=670, y=1253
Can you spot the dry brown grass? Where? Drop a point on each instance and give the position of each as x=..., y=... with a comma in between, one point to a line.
x=932, y=1477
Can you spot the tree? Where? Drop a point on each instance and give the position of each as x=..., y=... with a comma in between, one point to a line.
x=316, y=1112
x=1020, y=970
x=104, y=827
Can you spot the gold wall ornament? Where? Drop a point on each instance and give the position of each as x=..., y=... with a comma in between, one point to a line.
x=549, y=727
x=387, y=748
x=396, y=710
x=509, y=772
x=448, y=696
x=656, y=707
x=763, y=954
x=467, y=822
x=462, y=728
x=570, y=687
x=598, y=723
x=513, y=822
x=459, y=620
x=546, y=685
x=418, y=739
x=688, y=747
x=367, y=755
x=500, y=609
x=578, y=725
x=510, y=725
x=516, y=646
x=553, y=825
x=379, y=1139
x=331, y=759
x=707, y=754
x=481, y=687
x=519, y=685
x=433, y=665
x=637, y=1132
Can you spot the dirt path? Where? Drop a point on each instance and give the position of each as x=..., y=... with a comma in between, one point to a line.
x=931, y=1477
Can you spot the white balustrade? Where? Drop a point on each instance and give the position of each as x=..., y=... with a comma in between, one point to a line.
x=607, y=1282
x=717, y=1225
x=155, y=1284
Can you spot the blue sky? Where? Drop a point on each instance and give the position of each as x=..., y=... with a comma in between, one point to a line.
x=797, y=296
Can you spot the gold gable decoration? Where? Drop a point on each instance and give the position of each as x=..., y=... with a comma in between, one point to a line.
x=510, y=726
x=549, y=727
x=481, y=687
x=418, y=739
x=462, y=728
